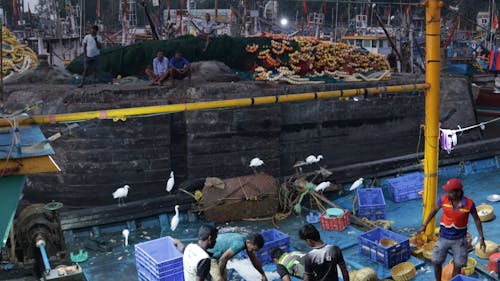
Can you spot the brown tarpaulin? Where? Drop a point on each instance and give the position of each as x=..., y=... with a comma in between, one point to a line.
x=242, y=197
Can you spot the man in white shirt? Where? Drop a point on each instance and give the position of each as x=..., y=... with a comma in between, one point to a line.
x=160, y=69
x=208, y=28
x=92, y=44
x=196, y=259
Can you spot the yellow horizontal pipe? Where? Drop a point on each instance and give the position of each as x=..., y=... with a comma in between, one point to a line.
x=172, y=108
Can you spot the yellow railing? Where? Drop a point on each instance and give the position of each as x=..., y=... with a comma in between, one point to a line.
x=123, y=113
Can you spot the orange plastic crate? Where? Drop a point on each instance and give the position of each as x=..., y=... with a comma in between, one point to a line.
x=338, y=224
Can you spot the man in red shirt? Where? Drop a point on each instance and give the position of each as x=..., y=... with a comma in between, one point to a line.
x=453, y=227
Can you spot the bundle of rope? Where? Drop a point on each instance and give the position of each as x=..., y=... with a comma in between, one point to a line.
x=17, y=58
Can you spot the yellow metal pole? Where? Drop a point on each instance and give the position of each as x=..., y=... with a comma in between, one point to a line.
x=432, y=75
x=123, y=113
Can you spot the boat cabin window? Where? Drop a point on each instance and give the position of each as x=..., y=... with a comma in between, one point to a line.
x=367, y=43
x=374, y=43
x=358, y=43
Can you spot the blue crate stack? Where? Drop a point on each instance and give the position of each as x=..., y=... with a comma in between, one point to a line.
x=272, y=239
x=159, y=260
x=369, y=246
x=461, y=277
x=371, y=203
x=406, y=187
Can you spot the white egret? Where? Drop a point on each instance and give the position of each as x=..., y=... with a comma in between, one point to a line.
x=170, y=182
x=120, y=194
x=356, y=184
x=255, y=162
x=311, y=159
x=125, y=234
x=322, y=186
x=175, y=220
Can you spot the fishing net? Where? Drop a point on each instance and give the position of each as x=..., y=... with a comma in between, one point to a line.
x=16, y=57
x=268, y=57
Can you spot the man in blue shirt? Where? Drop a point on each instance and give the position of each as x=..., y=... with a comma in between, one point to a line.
x=179, y=67
x=230, y=244
x=160, y=69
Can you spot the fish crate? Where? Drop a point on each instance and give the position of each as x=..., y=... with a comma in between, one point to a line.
x=374, y=244
x=159, y=259
x=406, y=188
x=272, y=239
x=371, y=203
x=338, y=224
x=461, y=277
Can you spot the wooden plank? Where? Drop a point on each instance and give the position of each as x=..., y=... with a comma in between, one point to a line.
x=26, y=166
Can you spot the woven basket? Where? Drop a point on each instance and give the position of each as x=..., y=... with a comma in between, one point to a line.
x=404, y=271
x=364, y=274
x=485, y=212
x=428, y=249
x=387, y=242
x=491, y=248
x=469, y=269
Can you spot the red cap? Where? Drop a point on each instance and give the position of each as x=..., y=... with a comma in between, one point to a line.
x=452, y=184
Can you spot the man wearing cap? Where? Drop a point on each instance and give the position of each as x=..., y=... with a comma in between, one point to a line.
x=453, y=227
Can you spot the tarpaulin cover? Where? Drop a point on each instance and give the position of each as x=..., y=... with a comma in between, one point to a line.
x=133, y=59
x=242, y=197
x=11, y=188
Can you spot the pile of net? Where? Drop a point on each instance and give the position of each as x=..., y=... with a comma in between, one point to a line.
x=266, y=57
x=16, y=57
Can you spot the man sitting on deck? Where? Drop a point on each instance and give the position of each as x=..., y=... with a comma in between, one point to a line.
x=160, y=69
x=321, y=262
x=179, y=67
x=208, y=28
x=230, y=244
x=453, y=227
x=288, y=264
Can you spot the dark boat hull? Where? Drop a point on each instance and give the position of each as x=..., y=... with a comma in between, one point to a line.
x=488, y=102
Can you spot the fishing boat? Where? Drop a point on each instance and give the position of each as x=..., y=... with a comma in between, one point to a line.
x=118, y=146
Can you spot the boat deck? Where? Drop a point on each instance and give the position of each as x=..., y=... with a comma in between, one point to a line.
x=480, y=179
x=110, y=260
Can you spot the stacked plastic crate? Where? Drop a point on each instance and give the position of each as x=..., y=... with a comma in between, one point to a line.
x=159, y=260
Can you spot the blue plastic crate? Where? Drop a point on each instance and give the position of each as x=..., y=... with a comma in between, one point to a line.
x=461, y=277
x=406, y=187
x=272, y=239
x=371, y=203
x=158, y=272
x=369, y=245
x=159, y=258
x=144, y=274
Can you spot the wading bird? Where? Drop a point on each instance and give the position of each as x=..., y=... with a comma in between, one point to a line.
x=125, y=234
x=170, y=182
x=322, y=186
x=356, y=184
x=120, y=194
x=175, y=220
x=254, y=163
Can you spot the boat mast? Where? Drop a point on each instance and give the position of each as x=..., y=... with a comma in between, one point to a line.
x=432, y=76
